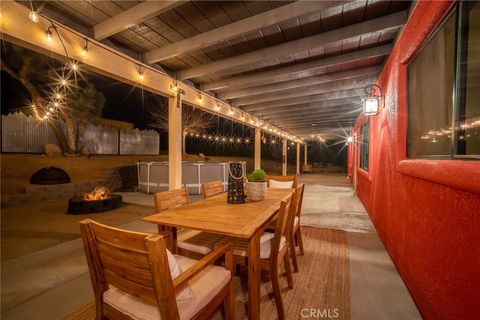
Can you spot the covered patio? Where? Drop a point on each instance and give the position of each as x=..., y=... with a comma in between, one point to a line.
x=347, y=240
x=286, y=159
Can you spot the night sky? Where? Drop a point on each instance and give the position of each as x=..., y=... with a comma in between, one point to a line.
x=123, y=102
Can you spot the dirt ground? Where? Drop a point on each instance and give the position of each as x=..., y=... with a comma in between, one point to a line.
x=35, y=226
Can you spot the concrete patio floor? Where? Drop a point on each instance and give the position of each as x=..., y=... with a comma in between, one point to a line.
x=52, y=283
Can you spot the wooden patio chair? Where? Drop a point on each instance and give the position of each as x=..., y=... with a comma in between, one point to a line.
x=190, y=243
x=274, y=248
x=210, y=189
x=297, y=233
x=294, y=207
x=134, y=276
x=281, y=181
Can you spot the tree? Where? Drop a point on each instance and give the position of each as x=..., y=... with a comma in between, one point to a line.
x=193, y=120
x=57, y=94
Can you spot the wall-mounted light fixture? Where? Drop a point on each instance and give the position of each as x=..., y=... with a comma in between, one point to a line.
x=372, y=100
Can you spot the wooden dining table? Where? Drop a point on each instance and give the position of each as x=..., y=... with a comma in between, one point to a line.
x=247, y=221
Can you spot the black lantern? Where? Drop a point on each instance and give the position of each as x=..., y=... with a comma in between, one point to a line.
x=236, y=193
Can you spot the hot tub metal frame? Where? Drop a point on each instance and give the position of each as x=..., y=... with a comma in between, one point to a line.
x=146, y=184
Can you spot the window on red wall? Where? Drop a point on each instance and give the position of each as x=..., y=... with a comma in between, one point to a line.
x=444, y=89
x=365, y=146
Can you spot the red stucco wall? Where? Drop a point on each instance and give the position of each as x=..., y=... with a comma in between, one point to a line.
x=426, y=212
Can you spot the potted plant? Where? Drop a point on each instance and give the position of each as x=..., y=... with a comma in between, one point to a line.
x=256, y=187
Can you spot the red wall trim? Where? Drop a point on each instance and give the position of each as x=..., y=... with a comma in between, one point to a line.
x=464, y=175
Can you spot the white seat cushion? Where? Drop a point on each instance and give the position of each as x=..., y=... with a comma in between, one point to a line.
x=240, y=246
x=280, y=184
x=204, y=286
x=197, y=241
x=175, y=270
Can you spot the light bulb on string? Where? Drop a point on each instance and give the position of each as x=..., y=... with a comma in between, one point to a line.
x=74, y=66
x=48, y=35
x=85, y=48
x=33, y=16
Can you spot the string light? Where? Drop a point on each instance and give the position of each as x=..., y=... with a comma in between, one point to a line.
x=141, y=75
x=85, y=48
x=74, y=66
x=231, y=112
x=33, y=16
x=48, y=35
x=217, y=106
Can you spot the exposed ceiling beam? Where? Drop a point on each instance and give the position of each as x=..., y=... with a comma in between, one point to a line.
x=383, y=23
x=325, y=131
x=341, y=85
x=314, y=98
x=317, y=122
x=250, y=79
x=340, y=110
x=132, y=17
x=212, y=37
x=313, y=130
x=279, y=86
x=307, y=107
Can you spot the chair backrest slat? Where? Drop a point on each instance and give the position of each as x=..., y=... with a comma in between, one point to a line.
x=171, y=199
x=210, y=189
x=283, y=179
x=280, y=226
x=296, y=198
x=300, y=203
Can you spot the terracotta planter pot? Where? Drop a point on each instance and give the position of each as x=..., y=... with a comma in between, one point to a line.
x=256, y=191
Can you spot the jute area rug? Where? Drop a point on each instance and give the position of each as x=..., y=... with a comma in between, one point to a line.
x=320, y=288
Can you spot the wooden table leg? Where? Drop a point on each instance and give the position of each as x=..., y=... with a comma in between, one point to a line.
x=173, y=235
x=254, y=276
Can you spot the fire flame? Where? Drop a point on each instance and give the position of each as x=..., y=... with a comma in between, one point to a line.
x=99, y=193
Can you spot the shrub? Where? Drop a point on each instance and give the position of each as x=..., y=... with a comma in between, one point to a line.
x=256, y=175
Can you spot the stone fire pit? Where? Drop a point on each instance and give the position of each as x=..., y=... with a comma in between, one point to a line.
x=99, y=200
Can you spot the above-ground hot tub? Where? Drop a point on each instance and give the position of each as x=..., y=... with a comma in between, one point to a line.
x=153, y=176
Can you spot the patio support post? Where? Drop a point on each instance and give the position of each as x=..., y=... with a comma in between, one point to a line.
x=298, y=158
x=284, y=157
x=174, y=144
x=305, y=154
x=258, y=146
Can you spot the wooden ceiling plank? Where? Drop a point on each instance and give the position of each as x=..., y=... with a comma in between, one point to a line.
x=280, y=86
x=334, y=86
x=386, y=22
x=131, y=17
x=311, y=106
x=232, y=30
x=306, y=99
x=246, y=80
